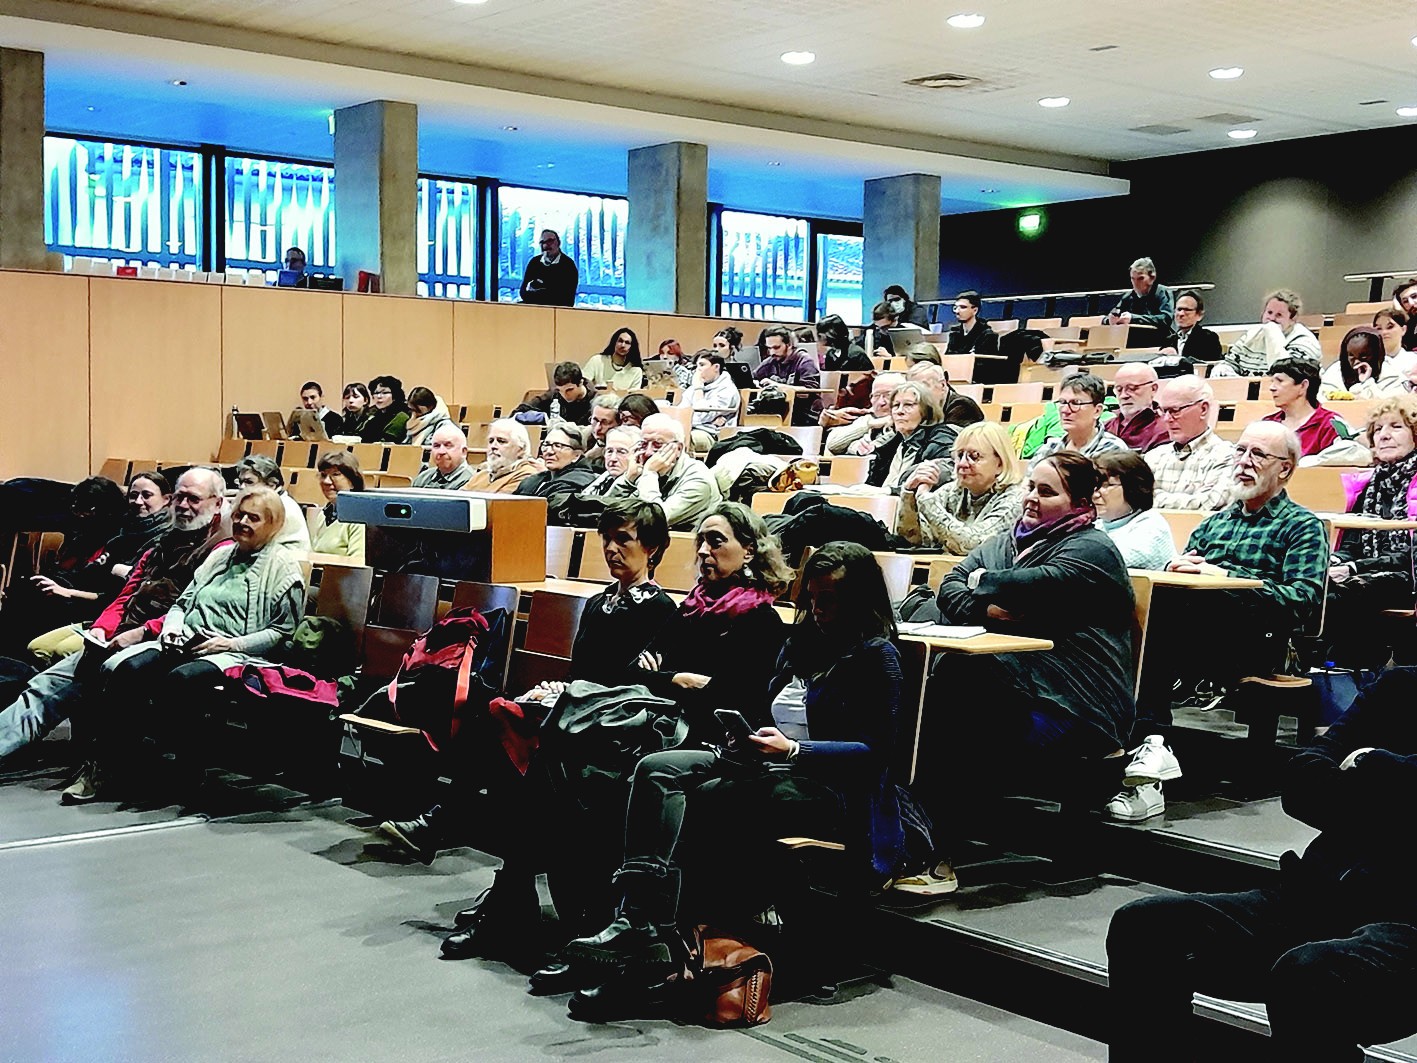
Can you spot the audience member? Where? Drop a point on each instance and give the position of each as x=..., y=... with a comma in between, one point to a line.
x=970, y=334
x=955, y=409
x=242, y=602
x=804, y=341
x=876, y=337
x=785, y=365
x=1136, y=422
x=508, y=460
x=294, y=262
x=1371, y=569
x=151, y=587
x=1278, y=335
x=984, y=499
x=619, y=447
x=1123, y=501
x=358, y=409
x=1191, y=339
x=551, y=278
x=729, y=343
x=860, y=431
x=386, y=425
x=1294, y=386
x=1193, y=471
x=1404, y=298
x=905, y=310
x=1261, y=534
x=339, y=471
x=663, y=472
x=1148, y=303
x=835, y=702
x=566, y=470
x=1057, y=714
x=256, y=470
x=1327, y=946
x=427, y=412
x=1080, y=401
x=921, y=453
x=1391, y=324
x=447, y=467
x=836, y=350
x=714, y=399
x=1362, y=370
x=633, y=409
x=312, y=398
x=921, y=352
x=618, y=367
x=604, y=415
x=568, y=400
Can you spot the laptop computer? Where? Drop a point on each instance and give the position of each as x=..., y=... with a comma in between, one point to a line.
x=741, y=375
x=309, y=425
x=250, y=425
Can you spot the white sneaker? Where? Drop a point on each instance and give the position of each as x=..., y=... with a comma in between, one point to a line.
x=1152, y=762
x=1137, y=803
x=84, y=788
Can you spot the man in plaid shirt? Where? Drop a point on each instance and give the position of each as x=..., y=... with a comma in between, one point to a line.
x=1193, y=470
x=1263, y=535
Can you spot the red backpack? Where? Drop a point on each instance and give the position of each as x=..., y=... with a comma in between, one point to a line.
x=444, y=670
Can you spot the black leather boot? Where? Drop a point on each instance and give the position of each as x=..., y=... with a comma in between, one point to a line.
x=642, y=933
x=506, y=920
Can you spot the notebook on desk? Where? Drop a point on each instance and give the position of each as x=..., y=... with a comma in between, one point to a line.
x=942, y=631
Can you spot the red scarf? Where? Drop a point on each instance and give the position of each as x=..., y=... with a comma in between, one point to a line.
x=734, y=603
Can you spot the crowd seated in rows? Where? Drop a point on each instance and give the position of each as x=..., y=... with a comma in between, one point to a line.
x=193, y=525
x=618, y=449
x=339, y=471
x=635, y=407
x=1294, y=386
x=1124, y=510
x=1278, y=335
x=358, y=409
x=955, y=409
x=1371, y=569
x=258, y=470
x=509, y=461
x=662, y=470
x=242, y=601
x=1391, y=323
x=604, y=415
x=1191, y=339
x=1080, y=405
x=565, y=470
x=921, y=435
x=387, y=424
x=312, y=398
x=1148, y=303
x=447, y=467
x=836, y=351
x=426, y=412
x=1362, y=370
x=1192, y=470
x=970, y=334
x=984, y=498
x=714, y=399
x=568, y=400
x=619, y=367
x=860, y=430
x=1137, y=422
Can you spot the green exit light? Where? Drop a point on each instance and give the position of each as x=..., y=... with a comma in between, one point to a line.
x=1030, y=223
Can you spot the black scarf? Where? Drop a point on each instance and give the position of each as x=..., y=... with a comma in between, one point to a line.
x=1386, y=497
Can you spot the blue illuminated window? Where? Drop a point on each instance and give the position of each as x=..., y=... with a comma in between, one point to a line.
x=447, y=238
x=839, y=276
x=272, y=205
x=592, y=232
x=763, y=259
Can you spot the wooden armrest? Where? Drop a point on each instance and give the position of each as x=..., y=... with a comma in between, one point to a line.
x=1279, y=682
x=811, y=843
x=379, y=725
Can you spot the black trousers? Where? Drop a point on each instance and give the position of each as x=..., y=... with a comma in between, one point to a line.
x=1352, y=628
x=157, y=694
x=1329, y=983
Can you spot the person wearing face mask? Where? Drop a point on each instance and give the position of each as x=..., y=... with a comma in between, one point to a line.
x=905, y=309
x=153, y=583
x=984, y=498
x=244, y=600
x=1061, y=715
x=508, y=462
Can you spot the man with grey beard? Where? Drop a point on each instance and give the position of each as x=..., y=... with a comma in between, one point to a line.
x=153, y=585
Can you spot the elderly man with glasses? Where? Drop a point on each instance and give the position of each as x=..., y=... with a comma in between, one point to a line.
x=447, y=467
x=1193, y=470
x=1137, y=422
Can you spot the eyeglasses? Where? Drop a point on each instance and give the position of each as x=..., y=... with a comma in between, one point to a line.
x=1257, y=457
x=190, y=498
x=1075, y=404
x=382, y=391
x=551, y=444
x=622, y=452
x=1176, y=411
x=1128, y=389
x=974, y=457
x=905, y=405
x=1109, y=483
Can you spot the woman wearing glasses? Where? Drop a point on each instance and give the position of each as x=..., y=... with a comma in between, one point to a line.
x=1294, y=387
x=1080, y=399
x=339, y=471
x=567, y=471
x=921, y=436
x=984, y=499
x=390, y=416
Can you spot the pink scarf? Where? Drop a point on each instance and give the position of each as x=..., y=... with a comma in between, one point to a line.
x=1075, y=519
x=734, y=603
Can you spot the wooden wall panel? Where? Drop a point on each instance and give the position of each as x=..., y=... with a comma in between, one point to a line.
x=499, y=350
x=275, y=339
x=405, y=337
x=44, y=372
x=155, y=369
x=582, y=333
x=694, y=333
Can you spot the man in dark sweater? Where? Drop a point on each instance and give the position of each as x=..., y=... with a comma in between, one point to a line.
x=972, y=334
x=1332, y=949
x=1148, y=303
x=568, y=400
x=551, y=278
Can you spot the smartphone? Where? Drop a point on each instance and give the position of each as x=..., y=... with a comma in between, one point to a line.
x=734, y=724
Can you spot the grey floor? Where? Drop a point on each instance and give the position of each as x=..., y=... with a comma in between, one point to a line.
x=1258, y=828
x=150, y=934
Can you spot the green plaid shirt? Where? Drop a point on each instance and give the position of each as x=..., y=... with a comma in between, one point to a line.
x=1283, y=544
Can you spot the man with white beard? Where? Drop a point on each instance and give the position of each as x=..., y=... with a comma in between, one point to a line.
x=507, y=462
x=153, y=585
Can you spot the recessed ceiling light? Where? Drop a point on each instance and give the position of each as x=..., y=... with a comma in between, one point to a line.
x=469, y=1
x=1242, y=134
x=774, y=164
x=1054, y=101
x=1227, y=73
x=799, y=58
x=1414, y=42
x=178, y=82
x=965, y=22
x=331, y=123
x=1407, y=112
x=90, y=108
x=509, y=128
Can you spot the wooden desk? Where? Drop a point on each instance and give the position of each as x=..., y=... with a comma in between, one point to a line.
x=1198, y=581
x=341, y=560
x=1359, y=522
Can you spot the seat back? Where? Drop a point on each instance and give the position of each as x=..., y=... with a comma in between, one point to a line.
x=1142, y=587
x=848, y=469
x=384, y=648
x=406, y=600
x=344, y=595
x=898, y=569
x=370, y=456
x=560, y=545
x=552, y=622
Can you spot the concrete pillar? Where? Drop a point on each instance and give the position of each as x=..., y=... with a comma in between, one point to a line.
x=666, y=240
x=376, y=193
x=901, y=221
x=22, y=160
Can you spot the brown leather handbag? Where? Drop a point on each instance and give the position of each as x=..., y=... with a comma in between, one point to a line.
x=735, y=979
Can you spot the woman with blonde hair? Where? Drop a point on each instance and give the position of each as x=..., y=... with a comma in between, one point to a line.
x=984, y=498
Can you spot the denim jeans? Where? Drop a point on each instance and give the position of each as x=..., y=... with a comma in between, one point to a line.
x=41, y=706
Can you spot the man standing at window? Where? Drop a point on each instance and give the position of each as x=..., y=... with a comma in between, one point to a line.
x=551, y=278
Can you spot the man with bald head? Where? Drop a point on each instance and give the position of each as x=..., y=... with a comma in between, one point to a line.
x=1192, y=469
x=1136, y=422
x=663, y=472
x=447, y=467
